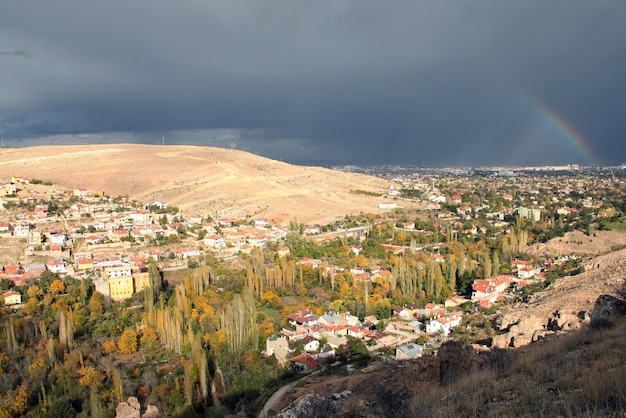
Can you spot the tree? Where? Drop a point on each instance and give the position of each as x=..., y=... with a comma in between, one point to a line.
x=34, y=291
x=108, y=347
x=360, y=261
x=496, y=263
x=239, y=322
x=19, y=400
x=89, y=377
x=5, y=284
x=128, y=342
x=271, y=299
x=486, y=265
x=149, y=336
x=95, y=305
x=357, y=347
x=57, y=286
x=382, y=309
x=32, y=307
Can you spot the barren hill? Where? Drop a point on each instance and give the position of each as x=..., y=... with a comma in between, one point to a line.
x=577, y=242
x=197, y=179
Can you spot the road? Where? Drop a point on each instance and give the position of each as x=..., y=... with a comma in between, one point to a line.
x=279, y=394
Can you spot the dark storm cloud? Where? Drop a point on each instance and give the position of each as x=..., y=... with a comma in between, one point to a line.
x=357, y=81
x=14, y=53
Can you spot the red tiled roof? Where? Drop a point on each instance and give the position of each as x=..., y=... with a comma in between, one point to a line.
x=307, y=360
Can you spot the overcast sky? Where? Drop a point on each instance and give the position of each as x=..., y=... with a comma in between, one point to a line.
x=452, y=82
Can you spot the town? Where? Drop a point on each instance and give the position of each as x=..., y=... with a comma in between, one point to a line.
x=439, y=255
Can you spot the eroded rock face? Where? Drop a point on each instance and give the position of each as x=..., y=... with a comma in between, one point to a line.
x=605, y=309
x=520, y=331
x=524, y=330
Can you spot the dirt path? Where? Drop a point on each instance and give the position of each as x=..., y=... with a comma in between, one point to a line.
x=278, y=396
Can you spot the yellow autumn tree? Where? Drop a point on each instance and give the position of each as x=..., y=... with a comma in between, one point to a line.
x=89, y=377
x=360, y=261
x=57, y=286
x=34, y=292
x=271, y=298
x=19, y=400
x=128, y=342
x=149, y=336
x=108, y=347
x=32, y=308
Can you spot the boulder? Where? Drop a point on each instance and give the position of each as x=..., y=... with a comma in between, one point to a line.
x=501, y=341
x=130, y=409
x=310, y=405
x=151, y=412
x=530, y=324
x=134, y=402
x=563, y=319
x=605, y=308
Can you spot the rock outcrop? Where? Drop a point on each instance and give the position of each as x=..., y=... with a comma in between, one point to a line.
x=132, y=409
x=129, y=409
x=313, y=406
x=605, y=309
x=566, y=305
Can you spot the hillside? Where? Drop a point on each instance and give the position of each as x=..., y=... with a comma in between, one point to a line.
x=203, y=180
x=580, y=374
x=577, y=242
x=464, y=382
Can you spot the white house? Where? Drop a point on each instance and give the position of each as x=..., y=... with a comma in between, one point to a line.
x=526, y=273
x=444, y=323
x=310, y=344
x=21, y=230
x=387, y=205
x=56, y=266
x=214, y=241
x=121, y=271
x=261, y=223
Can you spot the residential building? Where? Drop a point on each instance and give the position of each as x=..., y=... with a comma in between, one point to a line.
x=12, y=297
x=409, y=351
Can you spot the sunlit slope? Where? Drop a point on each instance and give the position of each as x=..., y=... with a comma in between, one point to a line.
x=200, y=179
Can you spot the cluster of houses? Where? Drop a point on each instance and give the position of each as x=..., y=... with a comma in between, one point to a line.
x=321, y=335
x=96, y=222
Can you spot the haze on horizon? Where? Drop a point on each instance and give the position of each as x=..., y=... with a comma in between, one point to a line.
x=363, y=82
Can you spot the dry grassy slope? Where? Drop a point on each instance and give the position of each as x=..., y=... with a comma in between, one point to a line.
x=200, y=179
x=576, y=242
x=571, y=295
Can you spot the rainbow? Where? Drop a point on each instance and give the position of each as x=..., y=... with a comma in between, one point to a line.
x=564, y=129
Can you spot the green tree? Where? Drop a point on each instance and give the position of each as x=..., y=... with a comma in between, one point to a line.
x=357, y=347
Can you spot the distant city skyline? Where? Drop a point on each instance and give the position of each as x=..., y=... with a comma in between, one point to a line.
x=451, y=83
